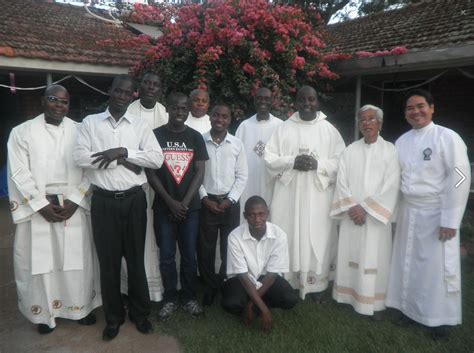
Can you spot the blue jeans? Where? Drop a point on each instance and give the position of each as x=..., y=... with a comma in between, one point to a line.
x=186, y=233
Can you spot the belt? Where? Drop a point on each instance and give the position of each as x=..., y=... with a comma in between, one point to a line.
x=219, y=198
x=117, y=195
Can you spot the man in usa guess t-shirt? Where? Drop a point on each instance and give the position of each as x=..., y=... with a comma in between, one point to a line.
x=176, y=205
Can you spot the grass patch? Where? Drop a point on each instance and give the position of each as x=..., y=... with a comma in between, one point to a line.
x=318, y=328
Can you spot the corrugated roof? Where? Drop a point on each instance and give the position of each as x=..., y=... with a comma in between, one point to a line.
x=424, y=25
x=60, y=32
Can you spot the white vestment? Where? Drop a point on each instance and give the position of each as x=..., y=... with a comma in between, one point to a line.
x=255, y=134
x=56, y=269
x=156, y=117
x=369, y=176
x=425, y=277
x=202, y=124
x=302, y=200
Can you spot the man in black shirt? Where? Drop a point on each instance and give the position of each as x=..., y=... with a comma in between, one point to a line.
x=176, y=205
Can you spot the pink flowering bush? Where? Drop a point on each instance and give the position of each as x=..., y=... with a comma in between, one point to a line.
x=234, y=47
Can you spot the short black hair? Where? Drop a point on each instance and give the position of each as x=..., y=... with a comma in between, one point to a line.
x=221, y=105
x=420, y=92
x=254, y=200
x=125, y=77
x=174, y=97
x=149, y=73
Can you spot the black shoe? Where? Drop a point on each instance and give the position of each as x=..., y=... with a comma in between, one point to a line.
x=378, y=316
x=88, y=320
x=44, y=329
x=208, y=298
x=144, y=326
x=318, y=298
x=440, y=334
x=110, y=332
x=404, y=321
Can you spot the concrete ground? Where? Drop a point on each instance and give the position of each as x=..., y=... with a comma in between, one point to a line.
x=18, y=335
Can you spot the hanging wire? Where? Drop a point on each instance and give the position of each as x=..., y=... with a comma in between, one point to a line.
x=81, y=80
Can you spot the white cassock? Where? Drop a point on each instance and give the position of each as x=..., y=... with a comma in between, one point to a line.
x=425, y=277
x=202, y=124
x=56, y=269
x=302, y=200
x=156, y=117
x=255, y=134
x=369, y=176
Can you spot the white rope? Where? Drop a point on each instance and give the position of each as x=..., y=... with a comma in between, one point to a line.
x=33, y=88
x=55, y=82
x=406, y=88
x=465, y=73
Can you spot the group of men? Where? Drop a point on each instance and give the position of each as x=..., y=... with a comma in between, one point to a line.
x=140, y=179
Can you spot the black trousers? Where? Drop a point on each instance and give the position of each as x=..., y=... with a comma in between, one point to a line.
x=213, y=226
x=279, y=295
x=119, y=228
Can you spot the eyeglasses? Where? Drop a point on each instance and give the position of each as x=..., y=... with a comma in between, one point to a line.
x=54, y=99
x=367, y=121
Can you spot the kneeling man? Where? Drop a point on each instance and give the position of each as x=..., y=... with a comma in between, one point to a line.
x=257, y=253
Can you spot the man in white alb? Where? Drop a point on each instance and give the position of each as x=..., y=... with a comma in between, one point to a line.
x=368, y=182
x=425, y=276
x=148, y=108
x=56, y=270
x=198, y=118
x=303, y=155
x=255, y=133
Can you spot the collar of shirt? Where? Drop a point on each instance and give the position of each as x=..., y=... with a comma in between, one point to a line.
x=127, y=116
x=207, y=137
x=424, y=129
x=268, y=234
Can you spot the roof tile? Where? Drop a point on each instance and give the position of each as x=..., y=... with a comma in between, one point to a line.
x=36, y=29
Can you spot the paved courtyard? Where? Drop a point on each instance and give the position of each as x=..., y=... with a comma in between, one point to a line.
x=18, y=335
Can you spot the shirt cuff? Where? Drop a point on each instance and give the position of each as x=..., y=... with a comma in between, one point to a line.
x=38, y=203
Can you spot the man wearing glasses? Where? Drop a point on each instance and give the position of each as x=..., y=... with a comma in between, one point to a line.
x=54, y=259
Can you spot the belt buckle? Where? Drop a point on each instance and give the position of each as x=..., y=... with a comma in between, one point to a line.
x=119, y=195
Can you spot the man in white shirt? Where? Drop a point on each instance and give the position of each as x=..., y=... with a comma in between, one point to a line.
x=302, y=156
x=425, y=276
x=148, y=108
x=255, y=133
x=114, y=146
x=257, y=255
x=198, y=118
x=54, y=258
x=224, y=180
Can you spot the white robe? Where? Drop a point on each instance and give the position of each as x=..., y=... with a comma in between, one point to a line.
x=255, y=134
x=202, y=124
x=369, y=176
x=425, y=277
x=56, y=269
x=302, y=200
x=156, y=117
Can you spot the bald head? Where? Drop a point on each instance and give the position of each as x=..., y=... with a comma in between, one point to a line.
x=52, y=89
x=307, y=103
x=55, y=103
x=263, y=103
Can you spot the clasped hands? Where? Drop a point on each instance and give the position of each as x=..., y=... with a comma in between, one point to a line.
x=54, y=213
x=216, y=207
x=357, y=215
x=266, y=322
x=119, y=154
x=304, y=163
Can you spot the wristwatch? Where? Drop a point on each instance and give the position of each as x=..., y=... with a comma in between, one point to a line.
x=232, y=201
